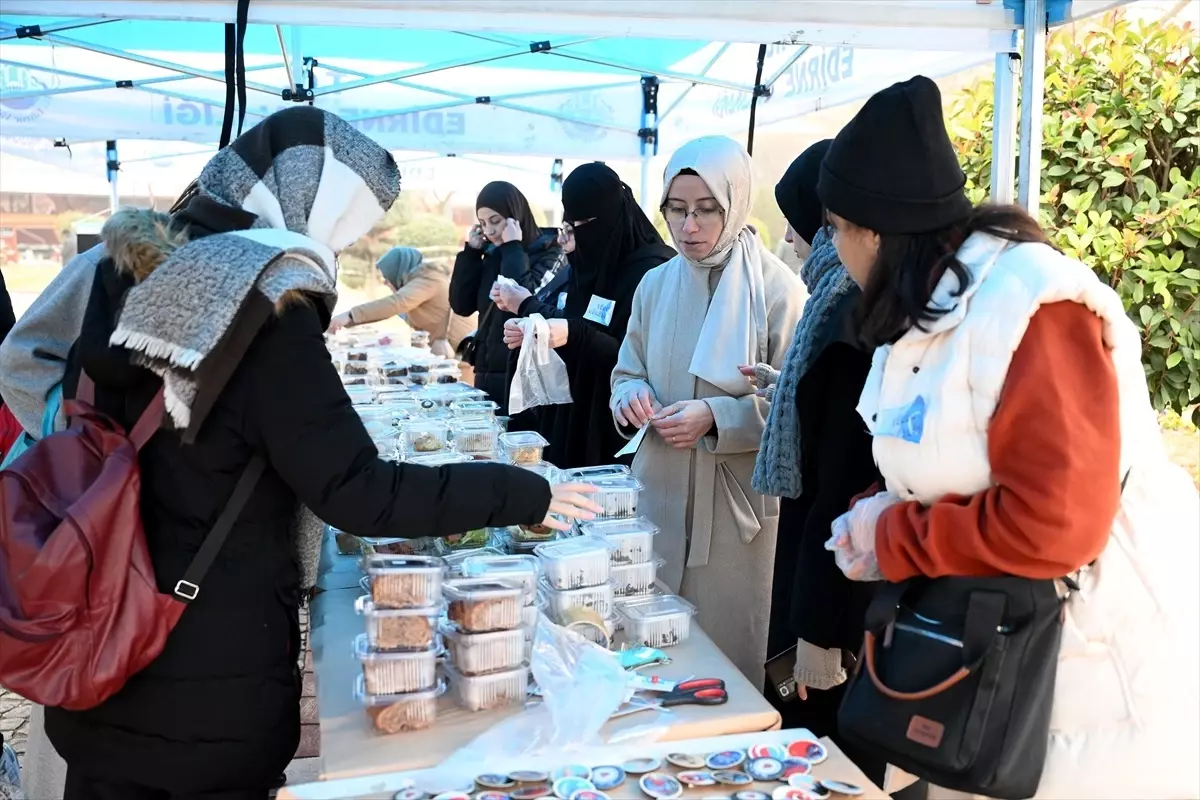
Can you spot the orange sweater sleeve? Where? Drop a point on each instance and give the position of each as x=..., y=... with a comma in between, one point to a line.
x=1054, y=449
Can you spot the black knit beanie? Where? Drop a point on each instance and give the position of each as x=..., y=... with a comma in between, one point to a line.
x=892, y=169
x=796, y=192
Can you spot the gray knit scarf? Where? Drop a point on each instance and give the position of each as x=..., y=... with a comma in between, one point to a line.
x=777, y=469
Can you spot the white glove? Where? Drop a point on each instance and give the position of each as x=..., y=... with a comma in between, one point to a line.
x=853, y=539
x=817, y=668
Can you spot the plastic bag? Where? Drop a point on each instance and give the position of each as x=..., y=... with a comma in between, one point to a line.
x=541, y=376
x=581, y=685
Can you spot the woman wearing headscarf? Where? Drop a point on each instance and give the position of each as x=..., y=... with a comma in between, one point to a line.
x=505, y=243
x=421, y=293
x=222, y=306
x=722, y=302
x=1011, y=423
x=614, y=246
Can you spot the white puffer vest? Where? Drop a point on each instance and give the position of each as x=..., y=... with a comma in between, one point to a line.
x=1126, y=718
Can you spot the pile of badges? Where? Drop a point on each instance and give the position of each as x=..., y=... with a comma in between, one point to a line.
x=727, y=775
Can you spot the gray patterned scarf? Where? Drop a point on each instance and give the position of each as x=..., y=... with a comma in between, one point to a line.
x=777, y=469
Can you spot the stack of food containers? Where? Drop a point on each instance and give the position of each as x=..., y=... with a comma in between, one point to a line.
x=521, y=570
x=486, y=642
x=399, y=650
x=578, y=592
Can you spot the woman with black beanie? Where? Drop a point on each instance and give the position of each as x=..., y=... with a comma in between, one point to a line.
x=505, y=243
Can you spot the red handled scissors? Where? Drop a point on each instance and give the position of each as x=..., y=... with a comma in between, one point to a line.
x=696, y=692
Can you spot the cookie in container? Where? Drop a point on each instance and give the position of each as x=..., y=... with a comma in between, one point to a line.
x=475, y=436
x=661, y=621
x=482, y=605
x=523, y=448
x=488, y=692
x=575, y=562
x=399, y=629
x=480, y=653
x=398, y=672
x=408, y=581
x=424, y=436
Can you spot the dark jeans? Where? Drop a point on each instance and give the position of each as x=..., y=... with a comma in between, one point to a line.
x=81, y=787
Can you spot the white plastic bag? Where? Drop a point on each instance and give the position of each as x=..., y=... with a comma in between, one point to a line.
x=541, y=376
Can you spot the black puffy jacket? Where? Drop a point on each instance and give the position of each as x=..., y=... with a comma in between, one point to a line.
x=475, y=271
x=219, y=709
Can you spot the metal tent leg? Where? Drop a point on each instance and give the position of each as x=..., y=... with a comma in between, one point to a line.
x=1033, y=85
x=1004, y=129
x=114, y=195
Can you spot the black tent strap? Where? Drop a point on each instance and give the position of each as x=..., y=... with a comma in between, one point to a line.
x=759, y=91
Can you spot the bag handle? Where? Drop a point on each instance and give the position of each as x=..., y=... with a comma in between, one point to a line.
x=985, y=611
x=188, y=587
x=147, y=424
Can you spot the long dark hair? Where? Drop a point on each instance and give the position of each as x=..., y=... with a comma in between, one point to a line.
x=909, y=266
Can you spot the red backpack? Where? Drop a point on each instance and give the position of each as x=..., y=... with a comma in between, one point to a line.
x=80, y=610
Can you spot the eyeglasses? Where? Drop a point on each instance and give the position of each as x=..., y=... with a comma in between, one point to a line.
x=567, y=229
x=677, y=215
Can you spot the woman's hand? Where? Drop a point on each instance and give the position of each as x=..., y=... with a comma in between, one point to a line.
x=508, y=297
x=570, y=500
x=637, y=408
x=853, y=539
x=559, y=331
x=762, y=377
x=475, y=238
x=817, y=668
x=514, y=335
x=512, y=231
x=683, y=424
x=339, y=322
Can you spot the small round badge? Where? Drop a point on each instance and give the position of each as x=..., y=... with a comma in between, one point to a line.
x=842, y=787
x=725, y=760
x=685, y=761
x=571, y=771
x=491, y=795
x=789, y=793
x=765, y=769
x=767, y=751
x=564, y=788
x=453, y=796
x=693, y=778
x=495, y=781
x=794, y=766
x=810, y=751
x=410, y=793
x=661, y=786
x=641, y=766
x=752, y=794
x=589, y=794
x=529, y=776
x=809, y=785
x=732, y=777
x=605, y=778
x=533, y=791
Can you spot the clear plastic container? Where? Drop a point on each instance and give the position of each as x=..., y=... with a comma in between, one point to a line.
x=475, y=409
x=395, y=546
x=459, y=542
x=480, y=653
x=476, y=436
x=399, y=713
x=589, y=474
x=636, y=580
x=575, y=563
x=529, y=614
x=631, y=540
x=550, y=473
x=393, y=369
x=396, y=672
x=523, y=448
x=454, y=560
x=360, y=395
x=439, y=459
x=521, y=570
x=661, y=621
x=396, y=630
x=405, y=581
x=424, y=437
x=488, y=692
x=420, y=339
x=618, y=496
x=482, y=605
x=598, y=598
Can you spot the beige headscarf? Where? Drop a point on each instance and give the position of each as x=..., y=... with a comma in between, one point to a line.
x=735, y=327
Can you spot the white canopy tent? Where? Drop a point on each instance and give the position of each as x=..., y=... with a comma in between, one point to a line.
x=461, y=77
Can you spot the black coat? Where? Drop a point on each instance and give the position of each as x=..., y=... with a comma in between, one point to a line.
x=550, y=299
x=219, y=709
x=475, y=271
x=7, y=318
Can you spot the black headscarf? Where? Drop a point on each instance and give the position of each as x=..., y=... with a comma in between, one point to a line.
x=506, y=199
x=796, y=192
x=618, y=228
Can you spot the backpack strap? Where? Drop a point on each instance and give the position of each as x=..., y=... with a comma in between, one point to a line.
x=188, y=588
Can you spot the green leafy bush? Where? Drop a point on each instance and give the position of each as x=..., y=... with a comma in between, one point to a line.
x=400, y=226
x=1120, y=177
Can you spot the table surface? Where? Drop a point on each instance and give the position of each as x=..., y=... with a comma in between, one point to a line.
x=349, y=747
x=836, y=767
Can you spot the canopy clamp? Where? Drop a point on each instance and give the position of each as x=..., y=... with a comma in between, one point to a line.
x=649, y=135
x=540, y=47
x=126, y=84
x=483, y=100
x=304, y=94
x=29, y=32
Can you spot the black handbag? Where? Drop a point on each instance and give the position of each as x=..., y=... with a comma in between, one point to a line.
x=468, y=349
x=956, y=681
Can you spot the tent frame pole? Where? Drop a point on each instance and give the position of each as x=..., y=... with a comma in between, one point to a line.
x=711, y=63
x=35, y=31
x=1033, y=96
x=1004, y=129
x=139, y=83
x=113, y=165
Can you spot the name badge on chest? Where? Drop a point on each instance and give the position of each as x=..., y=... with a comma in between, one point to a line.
x=600, y=310
x=562, y=301
x=905, y=422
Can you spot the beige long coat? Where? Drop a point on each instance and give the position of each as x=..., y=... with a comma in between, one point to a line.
x=717, y=534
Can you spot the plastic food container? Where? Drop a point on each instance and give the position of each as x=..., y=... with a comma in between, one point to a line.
x=481, y=653
x=631, y=541
x=423, y=437
x=636, y=580
x=396, y=673
x=347, y=544
x=598, y=598
x=618, y=496
x=394, y=369
x=535, y=534
x=474, y=436
x=407, y=581
x=658, y=621
x=475, y=409
x=420, y=339
x=518, y=570
x=481, y=605
x=454, y=559
x=487, y=692
x=575, y=563
x=471, y=540
x=523, y=448
x=393, y=546
x=399, y=713
x=589, y=474
x=360, y=395
x=529, y=614
x=399, y=629
x=439, y=459
x=548, y=471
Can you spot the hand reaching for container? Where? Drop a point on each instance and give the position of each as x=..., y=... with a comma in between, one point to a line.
x=339, y=322
x=570, y=502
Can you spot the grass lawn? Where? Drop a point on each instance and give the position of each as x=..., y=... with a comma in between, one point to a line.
x=29, y=278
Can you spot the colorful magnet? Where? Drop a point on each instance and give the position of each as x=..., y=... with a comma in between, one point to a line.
x=490, y=795
x=789, y=793
x=725, y=760
x=752, y=794
x=571, y=771
x=410, y=794
x=589, y=794
x=641, y=766
x=565, y=787
x=842, y=787
x=795, y=766
x=810, y=751
x=732, y=777
x=693, y=778
x=533, y=791
x=765, y=769
x=605, y=778
x=453, y=796
x=528, y=776
x=496, y=781
x=809, y=785
x=685, y=761
x=767, y=751
x=661, y=786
